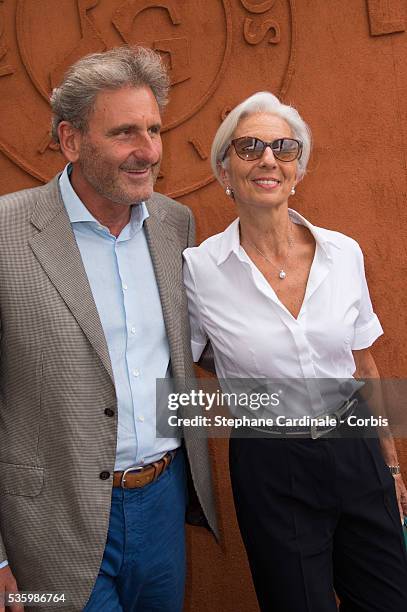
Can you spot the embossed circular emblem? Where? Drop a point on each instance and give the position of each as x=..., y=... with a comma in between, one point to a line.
x=218, y=52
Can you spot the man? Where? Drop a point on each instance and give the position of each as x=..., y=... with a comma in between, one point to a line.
x=93, y=311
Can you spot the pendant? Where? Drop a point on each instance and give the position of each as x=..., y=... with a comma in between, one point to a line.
x=282, y=274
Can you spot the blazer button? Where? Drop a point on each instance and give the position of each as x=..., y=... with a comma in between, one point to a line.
x=109, y=412
x=104, y=475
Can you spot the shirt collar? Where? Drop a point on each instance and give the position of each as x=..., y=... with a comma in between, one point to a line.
x=230, y=241
x=324, y=238
x=78, y=213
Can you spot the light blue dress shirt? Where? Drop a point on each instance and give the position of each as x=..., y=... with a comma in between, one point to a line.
x=124, y=287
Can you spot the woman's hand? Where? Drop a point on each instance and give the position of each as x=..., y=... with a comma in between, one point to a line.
x=366, y=368
x=401, y=493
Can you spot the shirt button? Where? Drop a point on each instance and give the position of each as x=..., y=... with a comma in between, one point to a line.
x=133, y=330
x=104, y=475
x=140, y=418
x=136, y=372
x=109, y=412
x=124, y=286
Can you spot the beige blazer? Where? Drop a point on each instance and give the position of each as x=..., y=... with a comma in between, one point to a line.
x=56, y=382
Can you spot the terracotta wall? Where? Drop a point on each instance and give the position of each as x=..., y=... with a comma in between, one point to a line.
x=342, y=64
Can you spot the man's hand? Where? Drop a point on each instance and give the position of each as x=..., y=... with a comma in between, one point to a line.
x=8, y=585
x=401, y=493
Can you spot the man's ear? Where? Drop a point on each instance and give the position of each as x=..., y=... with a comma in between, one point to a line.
x=70, y=139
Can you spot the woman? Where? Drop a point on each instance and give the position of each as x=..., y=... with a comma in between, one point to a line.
x=280, y=298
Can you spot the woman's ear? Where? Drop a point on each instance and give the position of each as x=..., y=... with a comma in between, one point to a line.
x=298, y=176
x=223, y=174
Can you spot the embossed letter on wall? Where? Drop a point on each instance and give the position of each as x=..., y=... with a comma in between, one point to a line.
x=5, y=68
x=386, y=16
x=217, y=51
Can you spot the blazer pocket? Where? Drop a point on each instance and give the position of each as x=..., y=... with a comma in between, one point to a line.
x=23, y=480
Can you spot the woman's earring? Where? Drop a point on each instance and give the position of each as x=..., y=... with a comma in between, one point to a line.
x=229, y=192
x=292, y=190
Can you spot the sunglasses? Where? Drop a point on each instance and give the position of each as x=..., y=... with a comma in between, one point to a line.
x=250, y=148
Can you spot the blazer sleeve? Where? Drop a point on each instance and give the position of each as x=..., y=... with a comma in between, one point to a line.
x=3, y=554
x=191, y=229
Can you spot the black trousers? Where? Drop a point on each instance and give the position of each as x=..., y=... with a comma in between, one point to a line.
x=318, y=516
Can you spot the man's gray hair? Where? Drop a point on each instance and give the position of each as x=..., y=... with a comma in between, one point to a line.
x=74, y=99
x=262, y=102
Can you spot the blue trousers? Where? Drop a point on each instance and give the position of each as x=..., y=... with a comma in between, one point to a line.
x=143, y=566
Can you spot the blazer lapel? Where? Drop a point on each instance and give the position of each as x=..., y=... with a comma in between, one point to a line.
x=56, y=249
x=166, y=256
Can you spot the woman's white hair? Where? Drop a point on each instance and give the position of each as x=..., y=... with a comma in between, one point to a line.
x=262, y=102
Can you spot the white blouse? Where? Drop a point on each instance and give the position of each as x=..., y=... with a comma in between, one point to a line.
x=252, y=333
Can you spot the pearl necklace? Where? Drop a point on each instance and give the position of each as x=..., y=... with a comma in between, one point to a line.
x=282, y=274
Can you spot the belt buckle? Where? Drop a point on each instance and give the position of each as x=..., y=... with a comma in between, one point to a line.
x=315, y=434
x=350, y=407
x=345, y=411
x=130, y=469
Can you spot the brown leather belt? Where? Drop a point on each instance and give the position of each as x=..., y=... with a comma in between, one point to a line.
x=137, y=477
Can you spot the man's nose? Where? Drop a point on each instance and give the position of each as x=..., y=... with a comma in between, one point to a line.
x=147, y=148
